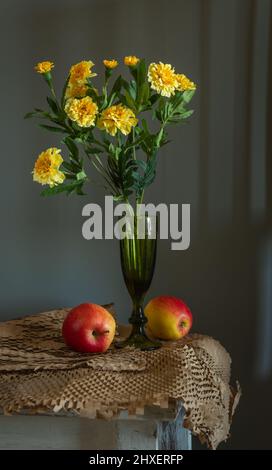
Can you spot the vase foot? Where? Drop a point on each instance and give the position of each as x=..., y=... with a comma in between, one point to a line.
x=138, y=341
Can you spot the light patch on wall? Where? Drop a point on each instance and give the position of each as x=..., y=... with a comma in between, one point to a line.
x=263, y=367
x=259, y=109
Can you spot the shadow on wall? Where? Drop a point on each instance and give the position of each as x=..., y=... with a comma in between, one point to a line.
x=220, y=164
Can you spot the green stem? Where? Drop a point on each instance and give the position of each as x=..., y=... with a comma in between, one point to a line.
x=119, y=139
x=160, y=133
x=100, y=144
x=105, y=87
x=69, y=128
x=103, y=172
x=64, y=92
x=140, y=199
x=53, y=93
x=48, y=79
x=133, y=142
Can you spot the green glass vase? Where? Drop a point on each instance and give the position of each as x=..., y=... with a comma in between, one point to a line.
x=138, y=250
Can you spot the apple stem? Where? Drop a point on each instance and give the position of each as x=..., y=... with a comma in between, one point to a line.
x=95, y=333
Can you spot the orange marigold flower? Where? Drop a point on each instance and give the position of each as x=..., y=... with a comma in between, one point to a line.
x=81, y=71
x=184, y=83
x=131, y=60
x=162, y=78
x=44, y=67
x=110, y=64
x=46, y=168
x=83, y=111
x=117, y=117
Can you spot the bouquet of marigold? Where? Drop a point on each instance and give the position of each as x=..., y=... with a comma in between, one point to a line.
x=107, y=128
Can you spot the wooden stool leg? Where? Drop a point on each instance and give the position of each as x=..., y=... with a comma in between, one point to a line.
x=173, y=436
x=153, y=435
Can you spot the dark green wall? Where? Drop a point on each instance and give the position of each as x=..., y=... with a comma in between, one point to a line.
x=217, y=163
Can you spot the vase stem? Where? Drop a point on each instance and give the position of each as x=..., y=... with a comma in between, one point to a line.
x=138, y=256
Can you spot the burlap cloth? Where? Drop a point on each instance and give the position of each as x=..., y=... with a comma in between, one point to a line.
x=39, y=374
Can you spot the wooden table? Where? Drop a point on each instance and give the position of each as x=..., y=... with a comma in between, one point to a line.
x=157, y=429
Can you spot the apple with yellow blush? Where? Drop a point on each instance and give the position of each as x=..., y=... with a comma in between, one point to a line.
x=169, y=318
x=89, y=328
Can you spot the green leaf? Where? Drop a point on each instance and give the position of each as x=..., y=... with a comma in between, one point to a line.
x=39, y=113
x=154, y=98
x=106, y=140
x=52, y=104
x=94, y=150
x=81, y=175
x=129, y=101
x=141, y=73
x=118, y=198
x=79, y=191
x=112, y=149
x=120, y=171
x=53, y=128
x=104, y=99
x=159, y=137
x=188, y=95
x=92, y=93
x=30, y=115
x=77, y=164
x=141, y=181
x=108, y=73
x=122, y=99
x=176, y=118
x=61, y=188
x=118, y=150
x=134, y=70
x=179, y=109
x=134, y=144
x=111, y=99
x=177, y=98
x=142, y=164
x=158, y=114
x=64, y=91
x=80, y=139
x=143, y=94
x=71, y=146
x=187, y=114
x=67, y=166
x=145, y=126
x=117, y=85
x=131, y=88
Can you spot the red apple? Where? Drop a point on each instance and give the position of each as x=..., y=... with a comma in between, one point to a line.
x=168, y=317
x=88, y=328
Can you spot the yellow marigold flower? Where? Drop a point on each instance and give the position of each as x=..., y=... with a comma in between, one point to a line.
x=81, y=71
x=117, y=117
x=162, y=78
x=76, y=90
x=131, y=60
x=83, y=111
x=46, y=169
x=44, y=67
x=183, y=83
x=110, y=64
